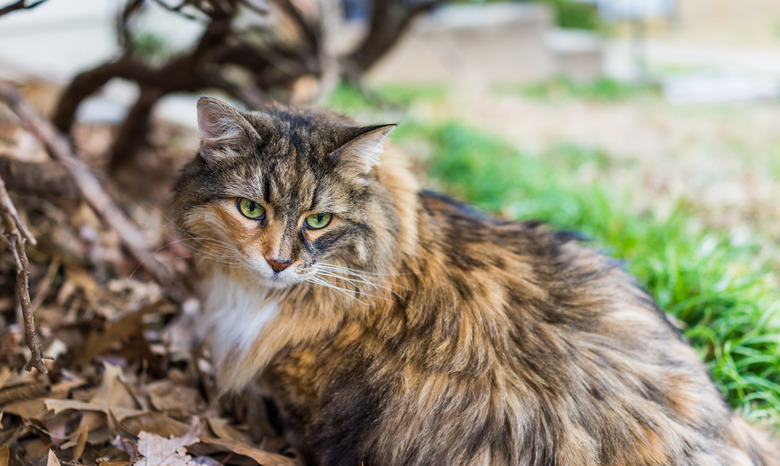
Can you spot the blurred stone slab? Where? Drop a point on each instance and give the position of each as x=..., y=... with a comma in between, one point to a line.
x=720, y=87
x=578, y=54
x=497, y=42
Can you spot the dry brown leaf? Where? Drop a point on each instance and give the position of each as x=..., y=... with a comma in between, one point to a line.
x=82, y=278
x=222, y=429
x=59, y=406
x=158, y=423
x=98, y=436
x=35, y=451
x=23, y=392
x=81, y=443
x=28, y=409
x=171, y=451
x=66, y=386
x=74, y=440
x=9, y=378
x=263, y=457
x=5, y=455
x=169, y=397
x=111, y=393
x=118, y=331
x=52, y=460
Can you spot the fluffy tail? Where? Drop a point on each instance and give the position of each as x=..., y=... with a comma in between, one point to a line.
x=761, y=447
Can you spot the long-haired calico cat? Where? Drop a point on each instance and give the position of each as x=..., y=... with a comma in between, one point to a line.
x=395, y=326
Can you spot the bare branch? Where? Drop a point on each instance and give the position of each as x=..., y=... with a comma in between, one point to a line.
x=20, y=5
x=122, y=28
x=389, y=20
x=37, y=179
x=17, y=234
x=60, y=150
x=178, y=9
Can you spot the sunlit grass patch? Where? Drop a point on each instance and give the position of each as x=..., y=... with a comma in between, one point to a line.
x=601, y=90
x=347, y=98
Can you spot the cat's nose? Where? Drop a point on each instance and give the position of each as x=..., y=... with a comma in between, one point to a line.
x=278, y=266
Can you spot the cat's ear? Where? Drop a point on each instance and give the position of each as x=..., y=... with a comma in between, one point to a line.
x=223, y=130
x=361, y=153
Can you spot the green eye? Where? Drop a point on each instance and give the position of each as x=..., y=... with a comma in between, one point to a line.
x=251, y=209
x=317, y=221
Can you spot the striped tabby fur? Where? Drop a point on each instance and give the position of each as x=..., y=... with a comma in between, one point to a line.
x=414, y=330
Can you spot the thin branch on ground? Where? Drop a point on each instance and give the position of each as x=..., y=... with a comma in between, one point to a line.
x=37, y=179
x=61, y=150
x=17, y=234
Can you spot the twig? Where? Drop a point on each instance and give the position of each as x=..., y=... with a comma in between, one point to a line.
x=37, y=179
x=19, y=5
x=17, y=233
x=60, y=150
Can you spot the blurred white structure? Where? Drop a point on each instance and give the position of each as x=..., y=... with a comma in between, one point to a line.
x=617, y=10
x=496, y=42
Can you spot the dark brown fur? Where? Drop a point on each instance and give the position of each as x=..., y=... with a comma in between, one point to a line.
x=454, y=337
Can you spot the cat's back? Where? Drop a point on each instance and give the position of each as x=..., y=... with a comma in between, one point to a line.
x=591, y=370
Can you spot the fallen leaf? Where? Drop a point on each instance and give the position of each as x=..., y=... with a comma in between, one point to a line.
x=9, y=379
x=157, y=450
x=5, y=455
x=24, y=392
x=263, y=457
x=168, y=397
x=59, y=406
x=28, y=409
x=154, y=422
x=52, y=461
x=222, y=429
x=35, y=451
x=78, y=441
x=111, y=393
x=81, y=277
x=118, y=331
x=63, y=388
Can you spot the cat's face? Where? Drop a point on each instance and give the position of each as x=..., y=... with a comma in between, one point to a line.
x=285, y=196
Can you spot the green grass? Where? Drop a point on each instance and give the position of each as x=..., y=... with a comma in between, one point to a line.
x=347, y=98
x=600, y=90
x=727, y=307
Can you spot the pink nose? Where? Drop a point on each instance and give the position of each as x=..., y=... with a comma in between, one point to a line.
x=278, y=266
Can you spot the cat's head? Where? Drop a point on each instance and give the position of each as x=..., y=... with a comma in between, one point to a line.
x=285, y=196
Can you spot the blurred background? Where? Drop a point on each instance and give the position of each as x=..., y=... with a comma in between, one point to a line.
x=649, y=125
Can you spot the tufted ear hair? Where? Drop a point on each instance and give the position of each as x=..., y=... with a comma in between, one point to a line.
x=360, y=154
x=223, y=129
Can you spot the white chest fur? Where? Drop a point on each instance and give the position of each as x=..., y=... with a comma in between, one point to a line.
x=236, y=313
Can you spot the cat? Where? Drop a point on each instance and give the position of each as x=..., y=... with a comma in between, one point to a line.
x=395, y=326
